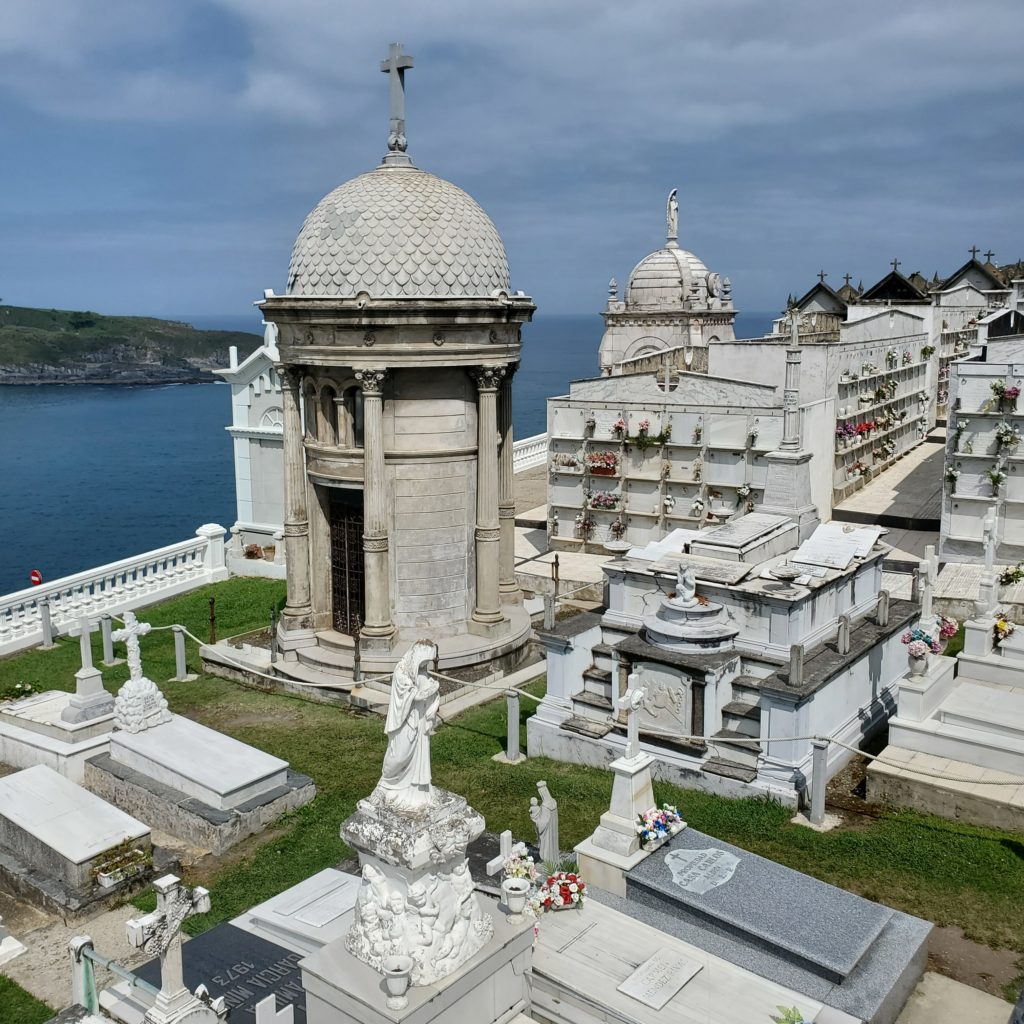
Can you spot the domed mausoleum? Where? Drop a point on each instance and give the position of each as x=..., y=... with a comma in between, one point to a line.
x=398, y=337
x=672, y=301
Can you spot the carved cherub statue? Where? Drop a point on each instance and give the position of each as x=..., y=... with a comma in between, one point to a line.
x=686, y=584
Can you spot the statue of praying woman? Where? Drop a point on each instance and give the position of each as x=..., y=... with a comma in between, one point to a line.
x=412, y=719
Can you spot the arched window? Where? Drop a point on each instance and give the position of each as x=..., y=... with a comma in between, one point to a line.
x=328, y=420
x=309, y=409
x=353, y=402
x=273, y=417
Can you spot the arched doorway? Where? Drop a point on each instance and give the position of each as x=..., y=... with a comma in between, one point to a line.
x=347, y=574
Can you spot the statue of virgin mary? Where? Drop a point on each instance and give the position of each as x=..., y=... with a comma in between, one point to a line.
x=412, y=718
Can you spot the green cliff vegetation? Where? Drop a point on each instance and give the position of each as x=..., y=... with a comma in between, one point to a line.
x=65, y=346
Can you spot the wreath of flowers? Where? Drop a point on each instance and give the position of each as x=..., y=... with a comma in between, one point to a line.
x=562, y=889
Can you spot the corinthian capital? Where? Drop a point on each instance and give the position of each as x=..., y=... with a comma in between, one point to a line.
x=488, y=378
x=371, y=381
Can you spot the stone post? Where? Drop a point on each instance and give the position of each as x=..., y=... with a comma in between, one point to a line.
x=512, y=753
x=549, y=611
x=83, y=980
x=108, y=642
x=487, y=617
x=47, y=624
x=378, y=630
x=819, y=780
x=180, y=668
x=213, y=560
x=298, y=610
x=508, y=586
x=882, y=612
x=796, y=665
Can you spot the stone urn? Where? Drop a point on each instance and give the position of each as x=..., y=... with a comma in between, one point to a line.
x=918, y=666
x=515, y=892
x=397, y=975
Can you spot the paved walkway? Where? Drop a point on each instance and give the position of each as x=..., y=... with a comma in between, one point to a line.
x=940, y=1000
x=531, y=489
x=908, y=496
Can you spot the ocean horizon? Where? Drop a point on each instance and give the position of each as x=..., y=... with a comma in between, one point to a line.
x=105, y=472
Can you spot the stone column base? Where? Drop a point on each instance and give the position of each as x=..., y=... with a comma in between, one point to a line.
x=90, y=700
x=499, y=627
x=371, y=641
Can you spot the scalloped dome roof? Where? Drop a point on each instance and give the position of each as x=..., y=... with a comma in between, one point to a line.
x=397, y=231
x=663, y=278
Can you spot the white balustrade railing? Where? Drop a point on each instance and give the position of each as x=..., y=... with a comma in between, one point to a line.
x=112, y=589
x=530, y=452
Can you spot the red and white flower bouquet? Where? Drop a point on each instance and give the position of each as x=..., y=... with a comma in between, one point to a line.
x=561, y=891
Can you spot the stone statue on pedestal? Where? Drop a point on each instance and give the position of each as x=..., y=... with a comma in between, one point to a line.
x=544, y=815
x=686, y=584
x=139, y=704
x=412, y=719
x=417, y=898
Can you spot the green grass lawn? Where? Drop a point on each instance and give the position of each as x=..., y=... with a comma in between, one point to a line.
x=949, y=873
x=18, y=1007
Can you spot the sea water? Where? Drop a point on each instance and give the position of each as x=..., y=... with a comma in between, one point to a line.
x=91, y=474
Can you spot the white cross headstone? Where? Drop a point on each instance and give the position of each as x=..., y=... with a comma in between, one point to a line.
x=988, y=594
x=630, y=703
x=130, y=633
x=160, y=931
x=90, y=700
x=497, y=864
x=268, y=1013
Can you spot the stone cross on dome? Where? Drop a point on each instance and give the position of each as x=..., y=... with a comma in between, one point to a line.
x=395, y=67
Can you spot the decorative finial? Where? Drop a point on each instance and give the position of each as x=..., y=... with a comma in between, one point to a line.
x=395, y=67
x=613, y=290
x=672, y=219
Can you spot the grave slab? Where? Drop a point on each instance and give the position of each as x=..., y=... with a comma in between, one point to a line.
x=233, y=963
x=307, y=916
x=825, y=928
x=201, y=762
x=54, y=835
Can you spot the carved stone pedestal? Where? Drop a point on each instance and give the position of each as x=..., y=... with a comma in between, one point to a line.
x=417, y=896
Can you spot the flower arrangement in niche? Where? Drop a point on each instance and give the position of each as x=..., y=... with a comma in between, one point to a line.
x=928, y=351
x=998, y=389
x=619, y=426
x=617, y=529
x=698, y=432
x=1002, y=628
x=995, y=477
x=604, y=500
x=742, y=493
x=919, y=643
x=654, y=825
x=952, y=475
x=644, y=426
x=603, y=463
x=697, y=506
x=891, y=358
x=907, y=358
x=561, y=891
x=590, y=424
x=1007, y=436
x=698, y=467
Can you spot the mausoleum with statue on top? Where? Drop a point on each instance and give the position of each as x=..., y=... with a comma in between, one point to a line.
x=398, y=335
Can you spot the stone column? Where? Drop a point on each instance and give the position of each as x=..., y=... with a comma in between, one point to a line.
x=508, y=587
x=298, y=611
x=377, y=630
x=487, y=617
x=791, y=398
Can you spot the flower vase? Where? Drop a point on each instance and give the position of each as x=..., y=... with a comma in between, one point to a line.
x=515, y=891
x=919, y=666
x=397, y=975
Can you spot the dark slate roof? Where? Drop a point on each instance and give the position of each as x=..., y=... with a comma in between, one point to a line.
x=987, y=269
x=820, y=286
x=894, y=287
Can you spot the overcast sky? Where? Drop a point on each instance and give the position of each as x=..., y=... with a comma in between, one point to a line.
x=159, y=156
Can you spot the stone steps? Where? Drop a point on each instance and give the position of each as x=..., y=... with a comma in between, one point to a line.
x=585, y=727
x=322, y=677
x=736, y=747
x=592, y=700
x=729, y=769
x=326, y=658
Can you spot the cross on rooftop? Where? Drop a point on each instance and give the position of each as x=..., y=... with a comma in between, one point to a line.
x=988, y=256
x=395, y=67
x=821, y=276
x=895, y=264
x=974, y=250
x=846, y=278
x=133, y=629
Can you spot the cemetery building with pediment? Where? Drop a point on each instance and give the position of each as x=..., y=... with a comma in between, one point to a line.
x=398, y=336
